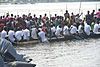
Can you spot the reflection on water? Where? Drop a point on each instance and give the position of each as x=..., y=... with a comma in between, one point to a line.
x=82, y=53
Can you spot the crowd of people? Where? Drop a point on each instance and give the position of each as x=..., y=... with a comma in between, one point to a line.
x=29, y=27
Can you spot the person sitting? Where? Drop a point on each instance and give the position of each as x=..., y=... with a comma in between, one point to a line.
x=53, y=30
x=11, y=35
x=34, y=33
x=42, y=36
x=66, y=30
x=87, y=29
x=26, y=34
x=19, y=34
x=3, y=33
x=96, y=28
x=73, y=30
x=58, y=31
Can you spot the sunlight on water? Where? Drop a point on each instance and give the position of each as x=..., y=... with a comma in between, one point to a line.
x=82, y=53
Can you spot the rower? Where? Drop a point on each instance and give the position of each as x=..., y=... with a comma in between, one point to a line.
x=53, y=30
x=58, y=31
x=96, y=31
x=19, y=34
x=66, y=30
x=34, y=33
x=73, y=30
x=26, y=34
x=3, y=33
x=42, y=36
x=87, y=29
x=80, y=28
x=11, y=35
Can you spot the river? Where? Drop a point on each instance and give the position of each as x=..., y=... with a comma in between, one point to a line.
x=77, y=53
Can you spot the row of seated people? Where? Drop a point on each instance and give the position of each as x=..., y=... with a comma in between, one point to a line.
x=34, y=33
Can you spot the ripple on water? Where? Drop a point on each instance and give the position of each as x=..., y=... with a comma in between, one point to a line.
x=79, y=53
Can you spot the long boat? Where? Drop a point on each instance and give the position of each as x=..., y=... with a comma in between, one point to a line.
x=61, y=38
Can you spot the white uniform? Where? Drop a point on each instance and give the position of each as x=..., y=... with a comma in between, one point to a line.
x=11, y=34
x=96, y=29
x=18, y=35
x=65, y=30
x=33, y=33
x=58, y=31
x=42, y=36
x=80, y=29
x=53, y=29
x=87, y=29
x=26, y=34
x=73, y=30
x=3, y=34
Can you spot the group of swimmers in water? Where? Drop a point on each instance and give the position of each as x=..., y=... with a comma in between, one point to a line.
x=27, y=27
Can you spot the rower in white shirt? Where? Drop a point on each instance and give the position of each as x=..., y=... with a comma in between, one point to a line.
x=73, y=29
x=87, y=29
x=96, y=28
x=34, y=33
x=19, y=34
x=26, y=34
x=58, y=31
x=53, y=30
x=80, y=30
x=4, y=33
x=65, y=30
x=11, y=35
x=42, y=36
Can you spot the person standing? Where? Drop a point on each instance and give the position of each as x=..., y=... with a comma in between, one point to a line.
x=88, y=18
x=98, y=15
x=67, y=17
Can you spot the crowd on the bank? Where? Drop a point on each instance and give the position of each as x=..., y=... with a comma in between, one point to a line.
x=30, y=27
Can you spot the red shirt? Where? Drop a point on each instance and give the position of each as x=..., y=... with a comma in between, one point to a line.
x=98, y=14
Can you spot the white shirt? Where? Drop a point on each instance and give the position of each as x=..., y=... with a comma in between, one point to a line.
x=96, y=27
x=65, y=30
x=80, y=29
x=42, y=36
x=58, y=31
x=87, y=29
x=33, y=33
x=11, y=34
x=18, y=35
x=26, y=34
x=3, y=34
x=53, y=29
x=73, y=30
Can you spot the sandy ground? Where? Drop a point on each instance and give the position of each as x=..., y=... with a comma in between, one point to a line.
x=64, y=54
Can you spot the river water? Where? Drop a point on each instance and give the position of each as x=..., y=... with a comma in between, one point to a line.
x=77, y=53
